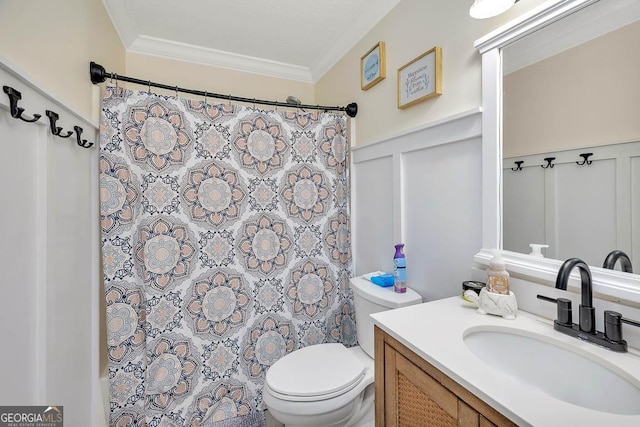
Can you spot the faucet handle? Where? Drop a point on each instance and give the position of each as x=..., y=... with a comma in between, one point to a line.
x=564, y=316
x=613, y=325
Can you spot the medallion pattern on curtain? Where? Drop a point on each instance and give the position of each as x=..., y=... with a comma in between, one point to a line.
x=226, y=245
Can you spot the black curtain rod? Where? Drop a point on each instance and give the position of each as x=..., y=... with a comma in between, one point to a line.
x=98, y=75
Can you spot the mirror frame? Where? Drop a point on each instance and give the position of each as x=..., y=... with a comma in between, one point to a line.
x=607, y=284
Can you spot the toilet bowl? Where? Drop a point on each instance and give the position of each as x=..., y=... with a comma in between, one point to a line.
x=329, y=384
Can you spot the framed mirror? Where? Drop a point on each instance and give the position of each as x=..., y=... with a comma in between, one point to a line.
x=559, y=83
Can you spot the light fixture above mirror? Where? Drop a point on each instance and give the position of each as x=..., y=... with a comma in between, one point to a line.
x=482, y=9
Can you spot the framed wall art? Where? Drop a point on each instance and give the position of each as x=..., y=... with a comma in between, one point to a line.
x=373, y=66
x=420, y=79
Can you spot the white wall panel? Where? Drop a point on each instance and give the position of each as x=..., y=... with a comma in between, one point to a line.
x=635, y=214
x=423, y=188
x=585, y=211
x=19, y=262
x=585, y=214
x=373, y=215
x=523, y=218
x=48, y=258
x=443, y=228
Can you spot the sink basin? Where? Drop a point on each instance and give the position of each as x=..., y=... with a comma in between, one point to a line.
x=562, y=371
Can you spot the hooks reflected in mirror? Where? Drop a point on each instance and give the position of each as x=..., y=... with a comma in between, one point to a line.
x=549, y=164
x=518, y=166
x=585, y=159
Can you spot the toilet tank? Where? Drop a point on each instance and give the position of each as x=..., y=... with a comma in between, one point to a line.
x=370, y=298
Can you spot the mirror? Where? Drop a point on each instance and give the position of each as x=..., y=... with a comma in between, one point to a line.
x=609, y=284
x=571, y=118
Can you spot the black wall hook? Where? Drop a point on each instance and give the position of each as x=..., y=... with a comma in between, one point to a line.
x=549, y=161
x=56, y=130
x=16, y=112
x=81, y=142
x=518, y=166
x=585, y=157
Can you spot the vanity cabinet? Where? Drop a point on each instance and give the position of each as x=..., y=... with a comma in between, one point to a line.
x=409, y=392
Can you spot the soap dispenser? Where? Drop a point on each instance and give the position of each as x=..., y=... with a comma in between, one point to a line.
x=536, y=250
x=497, y=275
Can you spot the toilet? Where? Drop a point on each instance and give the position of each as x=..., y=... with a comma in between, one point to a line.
x=330, y=384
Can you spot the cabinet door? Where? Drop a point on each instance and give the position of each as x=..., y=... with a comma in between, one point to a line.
x=485, y=422
x=412, y=392
x=413, y=398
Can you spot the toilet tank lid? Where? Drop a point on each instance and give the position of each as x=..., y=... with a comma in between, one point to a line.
x=384, y=296
x=316, y=370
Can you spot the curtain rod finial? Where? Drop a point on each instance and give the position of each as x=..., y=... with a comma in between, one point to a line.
x=352, y=109
x=97, y=73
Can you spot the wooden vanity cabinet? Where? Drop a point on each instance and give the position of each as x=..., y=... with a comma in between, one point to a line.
x=410, y=392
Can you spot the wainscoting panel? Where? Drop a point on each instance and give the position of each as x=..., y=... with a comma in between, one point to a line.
x=529, y=208
x=20, y=267
x=582, y=211
x=422, y=188
x=373, y=229
x=585, y=211
x=48, y=257
x=442, y=215
x=635, y=211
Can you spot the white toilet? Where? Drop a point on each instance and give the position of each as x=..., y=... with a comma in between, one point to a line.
x=329, y=384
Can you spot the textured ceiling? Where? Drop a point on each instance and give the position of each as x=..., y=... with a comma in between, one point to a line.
x=293, y=39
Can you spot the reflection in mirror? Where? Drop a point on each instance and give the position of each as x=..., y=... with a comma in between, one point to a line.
x=571, y=93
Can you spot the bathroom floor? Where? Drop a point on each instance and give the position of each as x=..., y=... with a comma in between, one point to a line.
x=272, y=422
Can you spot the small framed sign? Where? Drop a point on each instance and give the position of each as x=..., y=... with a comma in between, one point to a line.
x=373, y=66
x=420, y=79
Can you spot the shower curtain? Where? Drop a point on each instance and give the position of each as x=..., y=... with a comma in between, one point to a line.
x=226, y=245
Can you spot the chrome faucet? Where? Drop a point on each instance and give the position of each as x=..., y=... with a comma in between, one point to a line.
x=625, y=262
x=587, y=313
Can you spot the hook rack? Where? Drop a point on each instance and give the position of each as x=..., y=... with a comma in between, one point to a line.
x=549, y=161
x=16, y=113
x=585, y=159
x=518, y=166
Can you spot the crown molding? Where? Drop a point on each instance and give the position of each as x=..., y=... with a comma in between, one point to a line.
x=122, y=19
x=121, y=16
x=547, y=12
x=575, y=30
x=186, y=52
x=350, y=36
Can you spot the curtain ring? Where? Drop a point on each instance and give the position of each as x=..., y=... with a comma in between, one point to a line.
x=254, y=103
x=177, y=96
x=229, y=100
x=276, y=105
x=205, y=97
x=117, y=89
x=149, y=86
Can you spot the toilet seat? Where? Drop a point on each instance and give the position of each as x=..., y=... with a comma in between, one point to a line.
x=316, y=372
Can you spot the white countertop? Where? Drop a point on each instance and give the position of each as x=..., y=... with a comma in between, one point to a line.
x=435, y=330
